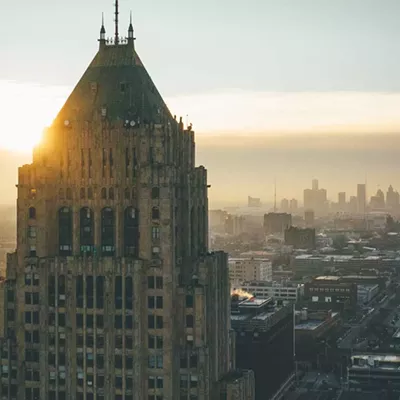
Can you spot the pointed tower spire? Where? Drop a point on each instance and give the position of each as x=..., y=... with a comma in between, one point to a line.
x=102, y=39
x=130, y=31
x=116, y=22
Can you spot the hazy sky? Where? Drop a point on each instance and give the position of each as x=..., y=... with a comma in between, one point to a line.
x=260, y=67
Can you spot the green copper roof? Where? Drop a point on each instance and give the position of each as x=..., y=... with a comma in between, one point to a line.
x=116, y=81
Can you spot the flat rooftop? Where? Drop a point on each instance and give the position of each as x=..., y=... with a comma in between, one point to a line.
x=327, y=278
x=384, y=358
x=312, y=324
x=254, y=302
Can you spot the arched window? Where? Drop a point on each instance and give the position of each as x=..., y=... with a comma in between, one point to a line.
x=65, y=231
x=155, y=193
x=104, y=193
x=69, y=194
x=90, y=193
x=86, y=231
x=82, y=193
x=32, y=213
x=127, y=194
x=111, y=194
x=131, y=232
x=107, y=232
x=61, y=193
x=155, y=213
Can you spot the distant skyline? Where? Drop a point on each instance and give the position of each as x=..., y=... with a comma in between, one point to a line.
x=274, y=88
x=265, y=66
x=242, y=166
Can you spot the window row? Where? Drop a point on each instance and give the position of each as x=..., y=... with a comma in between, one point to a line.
x=87, y=234
x=88, y=193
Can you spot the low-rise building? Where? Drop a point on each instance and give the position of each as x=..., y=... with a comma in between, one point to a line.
x=284, y=291
x=330, y=289
x=300, y=238
x=244, y=269
x=264, y=334
x=312, y=329
x=365, y=293
x=277, y=223
x=374, y=371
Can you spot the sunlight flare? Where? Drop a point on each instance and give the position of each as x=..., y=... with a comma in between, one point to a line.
x=26, y=110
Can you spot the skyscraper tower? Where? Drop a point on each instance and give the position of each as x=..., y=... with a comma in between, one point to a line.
x=362, y=198
x=112, y=293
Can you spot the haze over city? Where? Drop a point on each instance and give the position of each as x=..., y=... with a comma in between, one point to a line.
x=208, y=200
x=281, y=90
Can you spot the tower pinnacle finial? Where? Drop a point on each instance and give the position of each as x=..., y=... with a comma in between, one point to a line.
x=102, y=29
x=116, y=22
x=131, y=36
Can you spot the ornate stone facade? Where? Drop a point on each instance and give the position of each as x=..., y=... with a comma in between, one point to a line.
x=112, y=293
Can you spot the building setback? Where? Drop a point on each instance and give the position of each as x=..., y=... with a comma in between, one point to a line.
x=112, y=293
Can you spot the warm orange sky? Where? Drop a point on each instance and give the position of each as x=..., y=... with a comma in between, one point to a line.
x=28, y=108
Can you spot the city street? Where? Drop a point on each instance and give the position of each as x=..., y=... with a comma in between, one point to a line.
x=347, y=342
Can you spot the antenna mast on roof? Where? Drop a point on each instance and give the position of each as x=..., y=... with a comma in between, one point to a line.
x=275, y=195
x=116, y=22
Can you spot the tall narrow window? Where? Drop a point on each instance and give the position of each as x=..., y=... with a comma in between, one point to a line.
x=79, y=291
x=111, y=194
x=128, y=293
x=69, y=194
x=82, y=163
x=131, y=232
x=61, y=291
x=134, y=163
x=90, y=193
x=111, y=161
x=155, y=213
x=52, y=291
x=61, y=166
x=104, y=162
x=155, y=193
x=82, y=193
x=127, y=162
x=90, y=163
x=32, y=213
x=118, y=292
x=86, y=231
x=100, y=292
x=151, y=155
x=127, y=194
x=89, y=292
x=69, y=162
x=65, y=231
x=107, y=232
x=104, y=193
x=61, y=195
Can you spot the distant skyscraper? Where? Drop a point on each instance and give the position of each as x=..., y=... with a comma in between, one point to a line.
x=276, y=223
x=361, y=198
x=112, y=293
x=309, y=218
x=285, y=205
x=342, y=201
x=294, y=205
x=316, y=199
x=353, y=204
x=392, y=199
x=308, y=201
x=378, y=201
